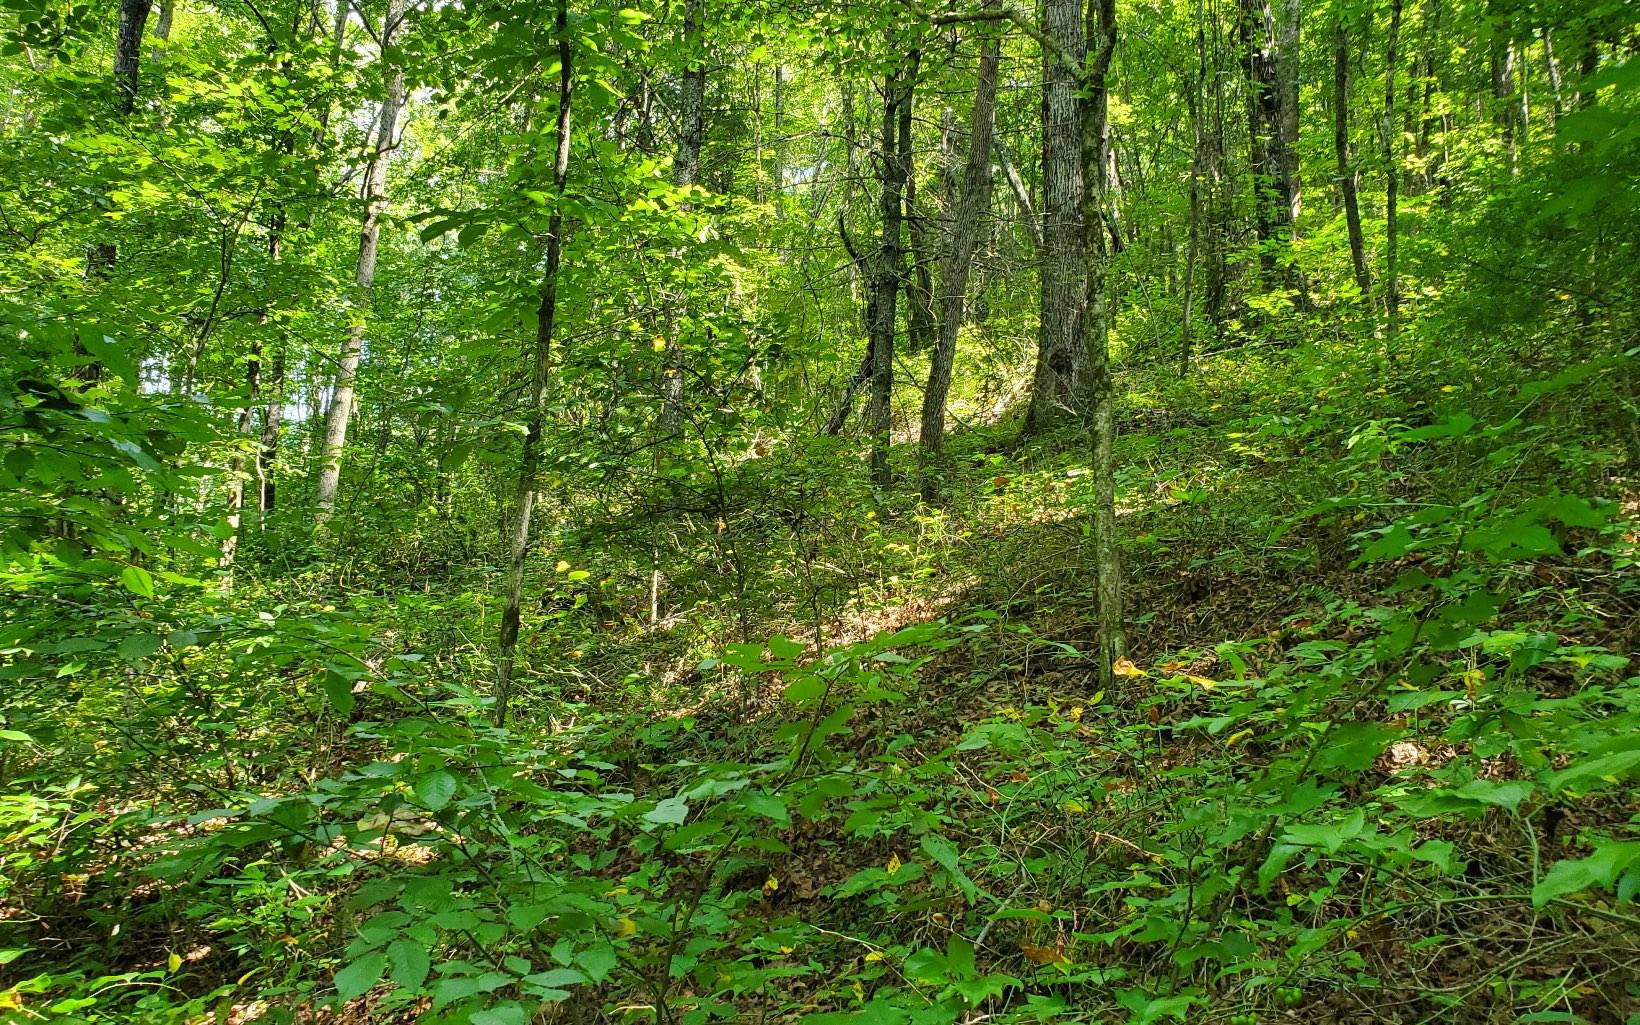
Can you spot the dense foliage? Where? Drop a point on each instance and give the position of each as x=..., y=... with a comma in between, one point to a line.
x=445, y=575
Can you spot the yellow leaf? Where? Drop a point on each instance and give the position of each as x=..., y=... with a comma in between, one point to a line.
x=1098, y=697
x=1201, y=681
x=859, y=991
x=771, y=884
x=1074, y=714
x=1075, y=807
x=1237, y=737
x=627, y=927
x=562, y=566
x=173, y=962
x=894, y=863
x=1124, y=667
x=875, y=955
x=787, y=950
x=10, y=1000
x=659, y=344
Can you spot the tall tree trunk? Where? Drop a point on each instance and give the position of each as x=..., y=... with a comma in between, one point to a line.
x=364, y=276
x=685, y=172
x=1348, y=177
x=128, y=54
x=1551, y=68
x=268, y=451
x=1257, y=28
x=545, y=317
x=1392, y=176
x=1099, y=383
x=1196, y=97
x=1502, y=64
x=1062, y=347
x=919, y=284
x=971, y=205
x=1587, y=65
x=888, y=272
x=162, y=25
x=103, y=254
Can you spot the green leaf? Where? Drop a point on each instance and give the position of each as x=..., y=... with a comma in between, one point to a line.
x=1506, y=794
x=509, y=1013
x=770, y=806
x=598, y=961
x=1601, y=868
x=15, y=737
x=356, y=979
x=138, y=581
x=1354, y=746
x=945, y=853
x=435, y=789
x=137, y=647
x=339, y=689
x=805, y=688
x=669, y=812
x=410, y=963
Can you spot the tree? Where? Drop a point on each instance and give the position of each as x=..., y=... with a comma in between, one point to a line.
x=973, y=202
x=888, y=269
x=364, y=274
x=1348, y=178
x=546, y=322
x=1062, y=346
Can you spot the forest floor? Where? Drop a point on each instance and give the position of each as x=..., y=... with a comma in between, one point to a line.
x=970, y=823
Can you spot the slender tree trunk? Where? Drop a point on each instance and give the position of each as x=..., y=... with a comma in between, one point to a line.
x=1062, y=345
x=1257, y=32
x=1587, y=65
x=685, y=172
x=102, y=255
x=1392, y=176
x=1022, y=196
x=1289, y=195
x=1099, y=382
x=128, y=54
x=268, y=451
x=545, y=321
x=1196, y=97
x=162, y=25
x=919, y=284
x=970, y=207
x=1502, y=60
x=1551, y=68
x=1348, y=178
x=889, y=270
x=364, y=277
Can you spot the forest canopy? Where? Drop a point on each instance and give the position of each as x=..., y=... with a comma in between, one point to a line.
x=875, y=512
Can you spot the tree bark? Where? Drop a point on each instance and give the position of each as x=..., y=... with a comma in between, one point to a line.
x=128, y=54
x=685, y=172
x=1348, y=178
x=1099, y=383
x=1270, y=37
x=1061, y=351
x=1196, y=97
x=888, y=273
x=364, y=276
x=1392, y=176
x=971, y=205
x=545, y=323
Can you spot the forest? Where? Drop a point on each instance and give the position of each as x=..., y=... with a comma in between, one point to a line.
x=845, y=512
